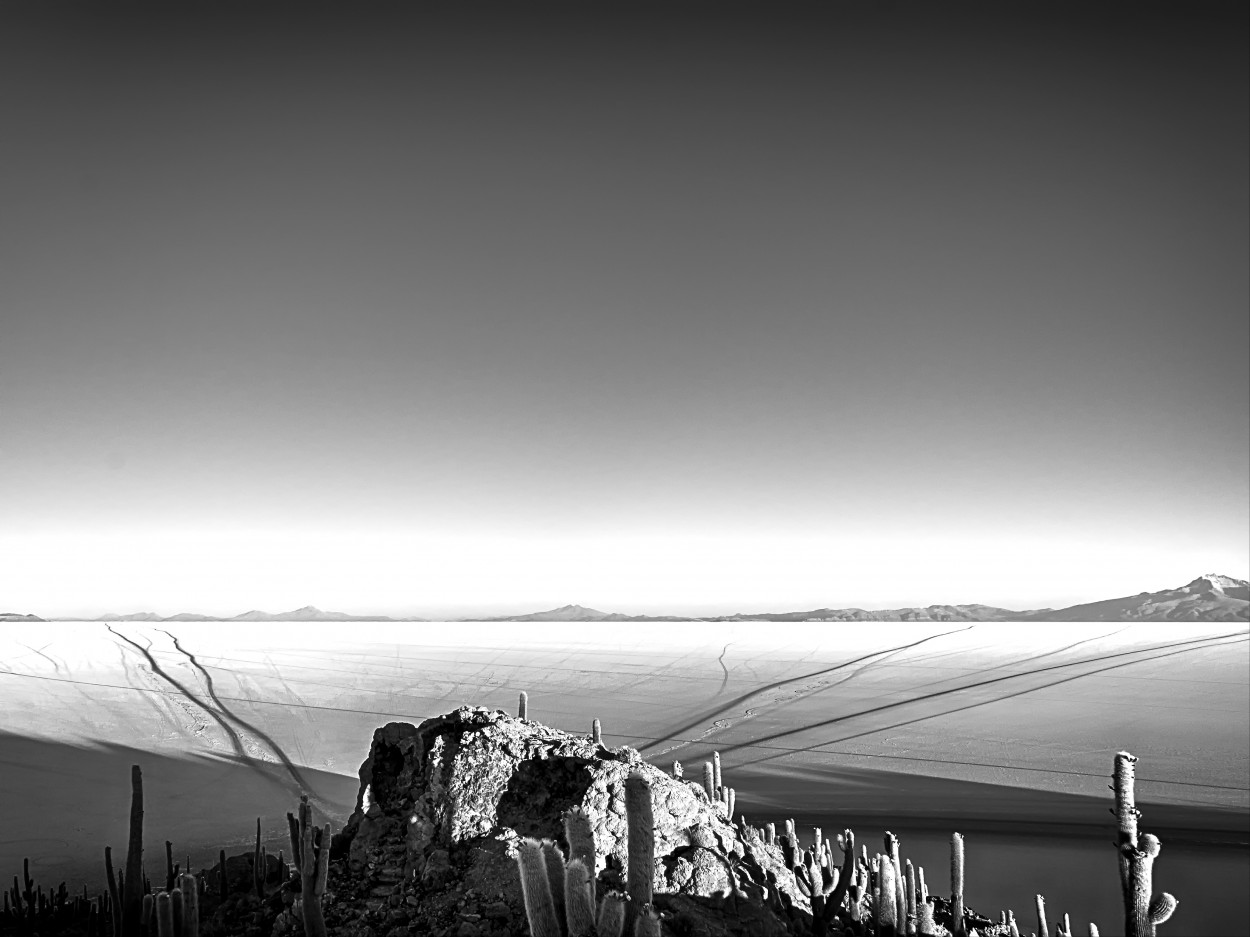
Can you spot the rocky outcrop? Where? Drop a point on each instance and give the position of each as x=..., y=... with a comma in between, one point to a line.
x=443, y=806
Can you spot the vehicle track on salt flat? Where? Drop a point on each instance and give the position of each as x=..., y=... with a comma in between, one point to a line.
x=755, y=700
x=223, y=713
x=1173, y=649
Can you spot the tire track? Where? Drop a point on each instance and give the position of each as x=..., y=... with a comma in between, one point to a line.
x=673, y=735
x=999, y=699
x=225, y=711
x=218, y=717
x=1204, y=642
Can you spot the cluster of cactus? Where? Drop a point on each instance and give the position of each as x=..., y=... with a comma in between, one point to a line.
x=310, y=850
x=174, y=912
x=29, y=904
x=887, y=895
x=559, y=892
x=713, y=784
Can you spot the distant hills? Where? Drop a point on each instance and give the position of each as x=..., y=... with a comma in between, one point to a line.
x=1208, y=598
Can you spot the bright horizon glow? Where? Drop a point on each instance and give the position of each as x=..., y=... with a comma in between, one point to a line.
x=451, y=312
x=456, y=575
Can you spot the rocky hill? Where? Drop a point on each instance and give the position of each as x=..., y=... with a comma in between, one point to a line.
x=444, y=807
x=1208, y=598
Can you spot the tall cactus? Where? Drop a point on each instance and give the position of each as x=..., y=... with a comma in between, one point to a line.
x=540, y=906
x=887, y=906
x=523, y=707
x=258, y=862
x=312, y=861
x=1042, y=926
x=543, y=870
x=579, y=898
x=641, y=833
x=959, y=928
x=132, y=888
x=190, y=886
x=581, y=840
x=1142, y=913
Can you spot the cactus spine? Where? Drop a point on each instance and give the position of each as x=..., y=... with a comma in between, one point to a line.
x=641, y=833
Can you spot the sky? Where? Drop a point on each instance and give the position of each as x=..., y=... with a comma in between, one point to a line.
x=690, y=307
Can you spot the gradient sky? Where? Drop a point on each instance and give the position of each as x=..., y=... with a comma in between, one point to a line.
x=694, y=306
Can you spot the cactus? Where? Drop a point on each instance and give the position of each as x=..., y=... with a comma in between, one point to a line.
x=648, y=923
x=887, y=906
x=169, y=866
x=611, y=919
x=115, y=906
x=909, y=892
x=258, y=873
x=959, y=928
x=770, y=833
x=709, y=781
x=523, y=707
x=1042, y=926
x=717, y=783
x=223, y=885
x=1093, y=930
x=641, y=836
x=1142, y=914
x=579, y=900
x=312, y=861
x=190, y=886
x=596, y=732
x=926, y=926
x=555, y=875
x=164, y=915
x=132, y=888
x=677, y=772
x=900, y=899
x=540, y=907
x=581, y=840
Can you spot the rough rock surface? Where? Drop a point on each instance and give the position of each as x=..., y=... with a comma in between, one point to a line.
x=442, y=807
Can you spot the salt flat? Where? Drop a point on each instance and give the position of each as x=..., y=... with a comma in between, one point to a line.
x=1005, y=732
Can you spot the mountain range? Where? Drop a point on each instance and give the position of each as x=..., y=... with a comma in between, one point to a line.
x=1208, y=598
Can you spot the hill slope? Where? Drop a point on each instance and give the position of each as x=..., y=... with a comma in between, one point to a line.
x=1207, y=598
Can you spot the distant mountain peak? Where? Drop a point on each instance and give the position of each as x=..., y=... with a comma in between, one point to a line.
x=1215, y=582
